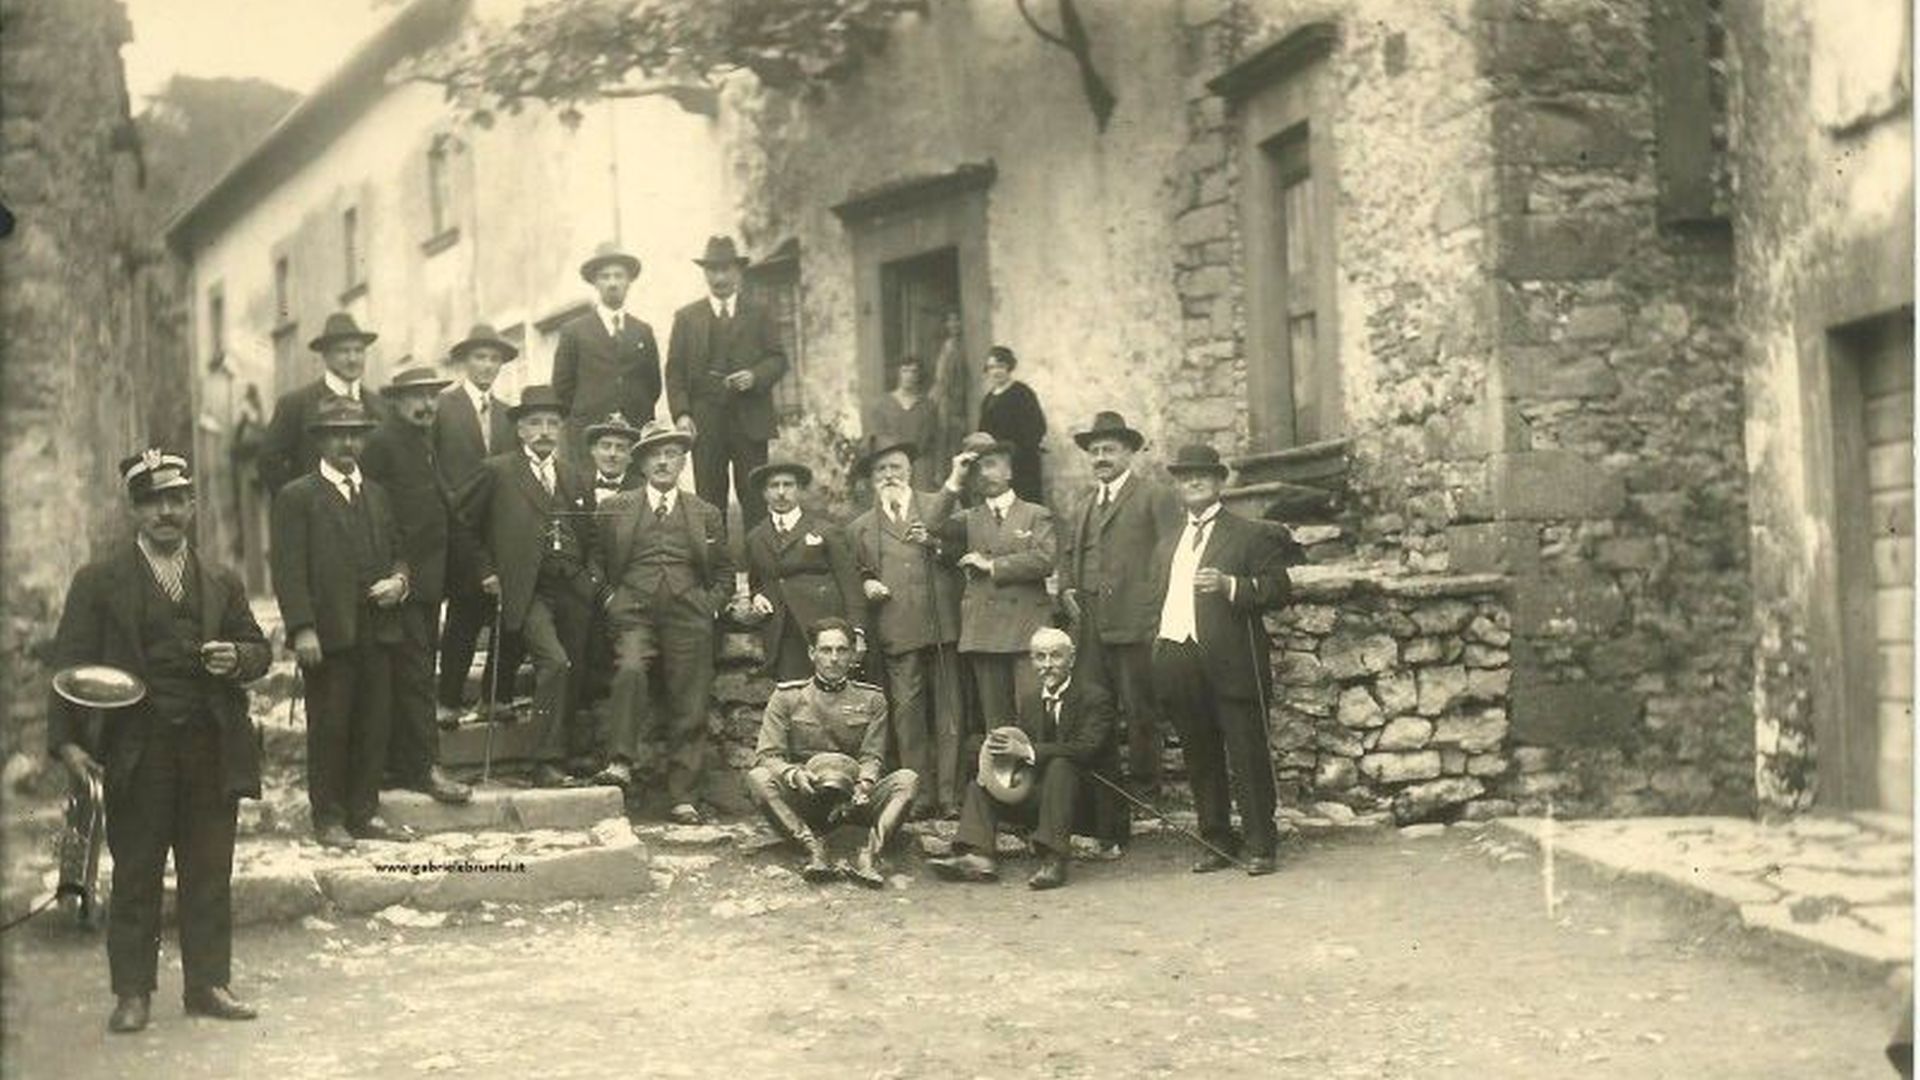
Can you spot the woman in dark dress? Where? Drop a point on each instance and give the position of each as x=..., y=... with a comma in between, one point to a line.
x=1010, y=412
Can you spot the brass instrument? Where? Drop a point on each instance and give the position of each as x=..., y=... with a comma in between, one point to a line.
x=96, y=688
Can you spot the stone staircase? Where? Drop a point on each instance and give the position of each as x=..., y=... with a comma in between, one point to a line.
x=1301, y=485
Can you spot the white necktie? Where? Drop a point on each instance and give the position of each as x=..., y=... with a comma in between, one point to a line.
x=545, y=472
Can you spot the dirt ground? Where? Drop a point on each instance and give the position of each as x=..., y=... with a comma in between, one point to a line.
x=1369, y=955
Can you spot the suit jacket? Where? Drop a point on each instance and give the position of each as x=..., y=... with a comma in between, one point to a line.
x=288, y=451
x=617, y=523
x=594, y=375
x=400, y=458
x=700, y=352
x=314, y=576
x=517, y=527
x=101, y=625
x=809, y=574
x=457, y=445
x=1232, y=634
x=1000, y=611
x=1086, y=730
x=1103, y=553
x=923, y=607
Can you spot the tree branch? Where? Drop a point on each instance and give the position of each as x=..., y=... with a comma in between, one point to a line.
x=1045, y=35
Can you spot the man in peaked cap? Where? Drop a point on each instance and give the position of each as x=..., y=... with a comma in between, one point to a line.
x=723, y=357
x=288, y=449
x=610, y=446
x=800, y=569
x=176, y=763
x=606, y=360
x=399, y=456
x=341, y=581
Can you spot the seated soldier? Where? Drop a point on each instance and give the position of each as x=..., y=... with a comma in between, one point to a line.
x=829, y=714
x=1068, y=732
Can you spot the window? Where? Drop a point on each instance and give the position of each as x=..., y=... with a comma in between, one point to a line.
x=351, y=251
x=1295, y=296
x=282, y=291
x=775, y=282
x=440, y=185
x=1690, y=95
x=216, y=327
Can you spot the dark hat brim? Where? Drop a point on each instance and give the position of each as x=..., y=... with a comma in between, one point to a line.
x=321, y=343
x=326, y=424
x=758, y=478
x=461, y=349
x=593, y=265
x=1181, y=470
x=525, y=409
x=737, y=260
x=598, y=431
x=863, y=466
x=1085, y=439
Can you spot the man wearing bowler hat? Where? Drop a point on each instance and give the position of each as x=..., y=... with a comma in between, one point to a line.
x=472, y=425
x=800, y=570
x=723, y=357
x=1211, y=669
x=1110, y=536
x=175, y=764
x=533, y=563
x=341, y=581
x=606, y=360
x=288, y=448
x=399, y=457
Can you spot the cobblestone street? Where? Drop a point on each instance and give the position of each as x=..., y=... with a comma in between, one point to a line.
x=1372, y=954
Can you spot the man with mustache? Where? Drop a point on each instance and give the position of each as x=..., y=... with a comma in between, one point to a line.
x=610, y=448
x=341, y=581
x=606, y=360
x=399, y=457
x=176, y=764
x=533, y=563
x=289, y=448
x=915, y=599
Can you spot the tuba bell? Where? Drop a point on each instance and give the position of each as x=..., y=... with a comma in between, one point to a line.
x=96, y=688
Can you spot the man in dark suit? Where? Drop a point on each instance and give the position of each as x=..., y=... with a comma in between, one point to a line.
x=662, y=554
x=1110, y=536
x=610, y=446
x=176, y=764
x=1069, y=727
x=289, y=449
x=341, y=581
x=606, y=360
x=723, y=357
x=800, y=569
x=472, y=425
x=1211, y=667
x=399, y=457
x=533, y=563
x=915, y=602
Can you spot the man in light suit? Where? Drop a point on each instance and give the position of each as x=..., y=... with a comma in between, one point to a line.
x=471, y=425
x=289, y=449
x=800, y=570
x=1211, y=669
x=723, y=357
x=915, y=600
x=606, y=360
x=1007, y=551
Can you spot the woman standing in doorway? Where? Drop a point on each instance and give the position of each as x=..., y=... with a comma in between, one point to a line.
x=906, y=414
x=1011, y=412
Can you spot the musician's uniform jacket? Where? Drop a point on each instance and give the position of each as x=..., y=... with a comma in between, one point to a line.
x=808, y=573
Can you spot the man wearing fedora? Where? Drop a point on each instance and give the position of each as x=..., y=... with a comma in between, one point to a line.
x=534, y=565
x=606, y=360
x=176, y=763
x=914, y=599
x=472, y=425
x=827, y=712
x=610, y=444
x=1211, y=670
x=662, y=554
x=1007, y=551
x=288, y=448
x=1110, y=536
x=800, y=570
x=1065, y=732
x=723, y=357
x=399, y=457
x=341, y=581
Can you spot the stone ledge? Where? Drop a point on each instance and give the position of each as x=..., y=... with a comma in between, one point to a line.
x=504, y=809
x=1334, y=581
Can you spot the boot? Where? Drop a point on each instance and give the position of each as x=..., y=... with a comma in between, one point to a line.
x=130, y=1014
x=865, y=870
x=817, y=869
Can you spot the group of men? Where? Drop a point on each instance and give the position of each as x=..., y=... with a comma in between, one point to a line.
x=565, y=530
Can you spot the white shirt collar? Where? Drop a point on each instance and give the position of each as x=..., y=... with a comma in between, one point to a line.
x=177, y=556
x=337, y=478
x=1114, y=485
x=1003, y=502
x=1205, y=518
x=657, y=498
x=1057, y=694
x=787, y=520
x=341, y=387
x=535, y=460
x=482, y=399
x=607, y=314
x=720, y=306
x=600, y=481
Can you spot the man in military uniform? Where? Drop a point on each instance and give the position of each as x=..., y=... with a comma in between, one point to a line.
x=829, y=713
x=176, y=765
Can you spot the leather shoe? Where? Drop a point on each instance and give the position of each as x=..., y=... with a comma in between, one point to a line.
x=818, y=869
x=1261, y=866
x=617, y=774
x=377, y=828
x=966, y=867
x=219, y=1003
x=130, y=1014
x=1051, y=875
x=447, y=717
x=864, y=870
x=443, y=788
x=335, y=836
x=548, y=775
x=685, y=814
x=1212, y=862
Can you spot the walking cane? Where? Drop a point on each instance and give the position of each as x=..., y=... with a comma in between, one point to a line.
x=493, y=686
x=1161, y=814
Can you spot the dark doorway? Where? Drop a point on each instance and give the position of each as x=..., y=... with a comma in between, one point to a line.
x=920, y=296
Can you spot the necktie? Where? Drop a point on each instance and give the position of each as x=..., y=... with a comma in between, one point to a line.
x=660, y=509
x=618, y=323
x=1053, y=719
x=1106, y=496
x=1200, y=532
x=170, y=572
x=353, y=491
x=999, y=516
x=545, y=472
x=486, y=424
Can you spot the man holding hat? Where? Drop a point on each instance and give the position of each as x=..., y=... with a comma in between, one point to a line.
x=533, y=563
x=1111, y=535
x=473, y=424
x=606, y=360
x=1211, y=670
x=1064, y=732
x=662, y=554
x=800, y=570
x=399, y=457
x=176, y=763
x=829, y=713
x=341, y=582
x=914, y=597
x=723, y=357
x=288, y=449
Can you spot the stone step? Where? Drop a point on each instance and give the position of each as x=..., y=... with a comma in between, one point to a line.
x=504, y=809
x=466, y=745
